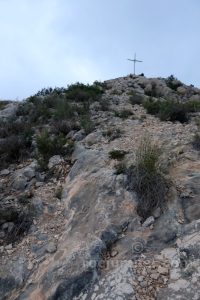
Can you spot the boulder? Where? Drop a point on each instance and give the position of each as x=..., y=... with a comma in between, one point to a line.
x=51, y=247
x=29, y=172
x=148, y=222
x=182, y=90
x=54, y=161
x=20, y=182
x=4, y=172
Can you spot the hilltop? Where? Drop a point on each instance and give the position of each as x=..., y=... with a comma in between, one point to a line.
x=100, y=192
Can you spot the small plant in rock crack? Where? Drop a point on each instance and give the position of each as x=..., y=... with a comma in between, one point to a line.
x=58, y=192
x=147, y=178
x=124, y=114
x=112, y=133
x=117, y=154
x=120, y=168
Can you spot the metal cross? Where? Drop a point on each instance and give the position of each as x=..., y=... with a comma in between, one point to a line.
x=134, y=60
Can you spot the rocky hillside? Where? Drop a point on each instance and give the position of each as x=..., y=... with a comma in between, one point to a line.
x=100, y=192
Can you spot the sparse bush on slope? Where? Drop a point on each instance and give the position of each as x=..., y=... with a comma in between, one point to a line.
x=136, y=98
x=173, y=83
x=15, y=141
x=117, y=154
x=63, y=109
x=147, y=179
x=124, y=114
x=167, y=110
x=3, y=104
x=80, y=92
x=49, y=145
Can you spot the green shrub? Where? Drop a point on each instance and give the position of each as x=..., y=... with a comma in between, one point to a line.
x=50, y=91
x=153, y=92
x=100, y=85
x=123, y=114
x=167, y=110
x=36, y=110
x=59, y=191
x=60, y=104
x=64, y=110
x=3, y=104
x=173, y=83
x=105, y=105
x=14, y=127
x=120, y=168
x=86, y=123
x=16, y=140
x=152, y=106
x=48, y=145
x=117, y=154
x=14, y=148
x=80, y=92
x=136, y=98
x=173, y=111
x=22, y=220
x=112, y=133
x=146, y=178
x=63, y=126
x=192, y=106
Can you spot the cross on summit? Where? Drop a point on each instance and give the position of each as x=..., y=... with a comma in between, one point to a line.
x=134, y=60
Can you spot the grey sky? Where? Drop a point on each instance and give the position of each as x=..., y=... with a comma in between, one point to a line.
x=57, y=42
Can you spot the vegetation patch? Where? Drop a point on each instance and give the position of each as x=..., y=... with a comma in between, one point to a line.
x=86, y=123
x=120, y=168
x=80, y=92
x=112, y=133
x=63, y=109
x=20, y=220
x=117, y=154
x=124, y=114
x=15, y=141
x=173, y=83
x=48, y=146
x=136, y=98
x=105, y=105
x=3, y=104
x=147, y=179
x=167, y=110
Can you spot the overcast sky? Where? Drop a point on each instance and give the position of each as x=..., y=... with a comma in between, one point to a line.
x=56, y=42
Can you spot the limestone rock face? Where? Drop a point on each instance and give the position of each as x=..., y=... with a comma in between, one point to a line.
x=84, y=239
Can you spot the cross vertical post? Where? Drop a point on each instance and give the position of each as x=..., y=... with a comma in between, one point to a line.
x=134, y=61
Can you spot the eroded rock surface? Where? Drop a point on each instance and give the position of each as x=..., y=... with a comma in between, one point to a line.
x=90, y=243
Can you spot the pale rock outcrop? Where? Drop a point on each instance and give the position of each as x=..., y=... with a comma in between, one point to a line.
x=90, y=243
